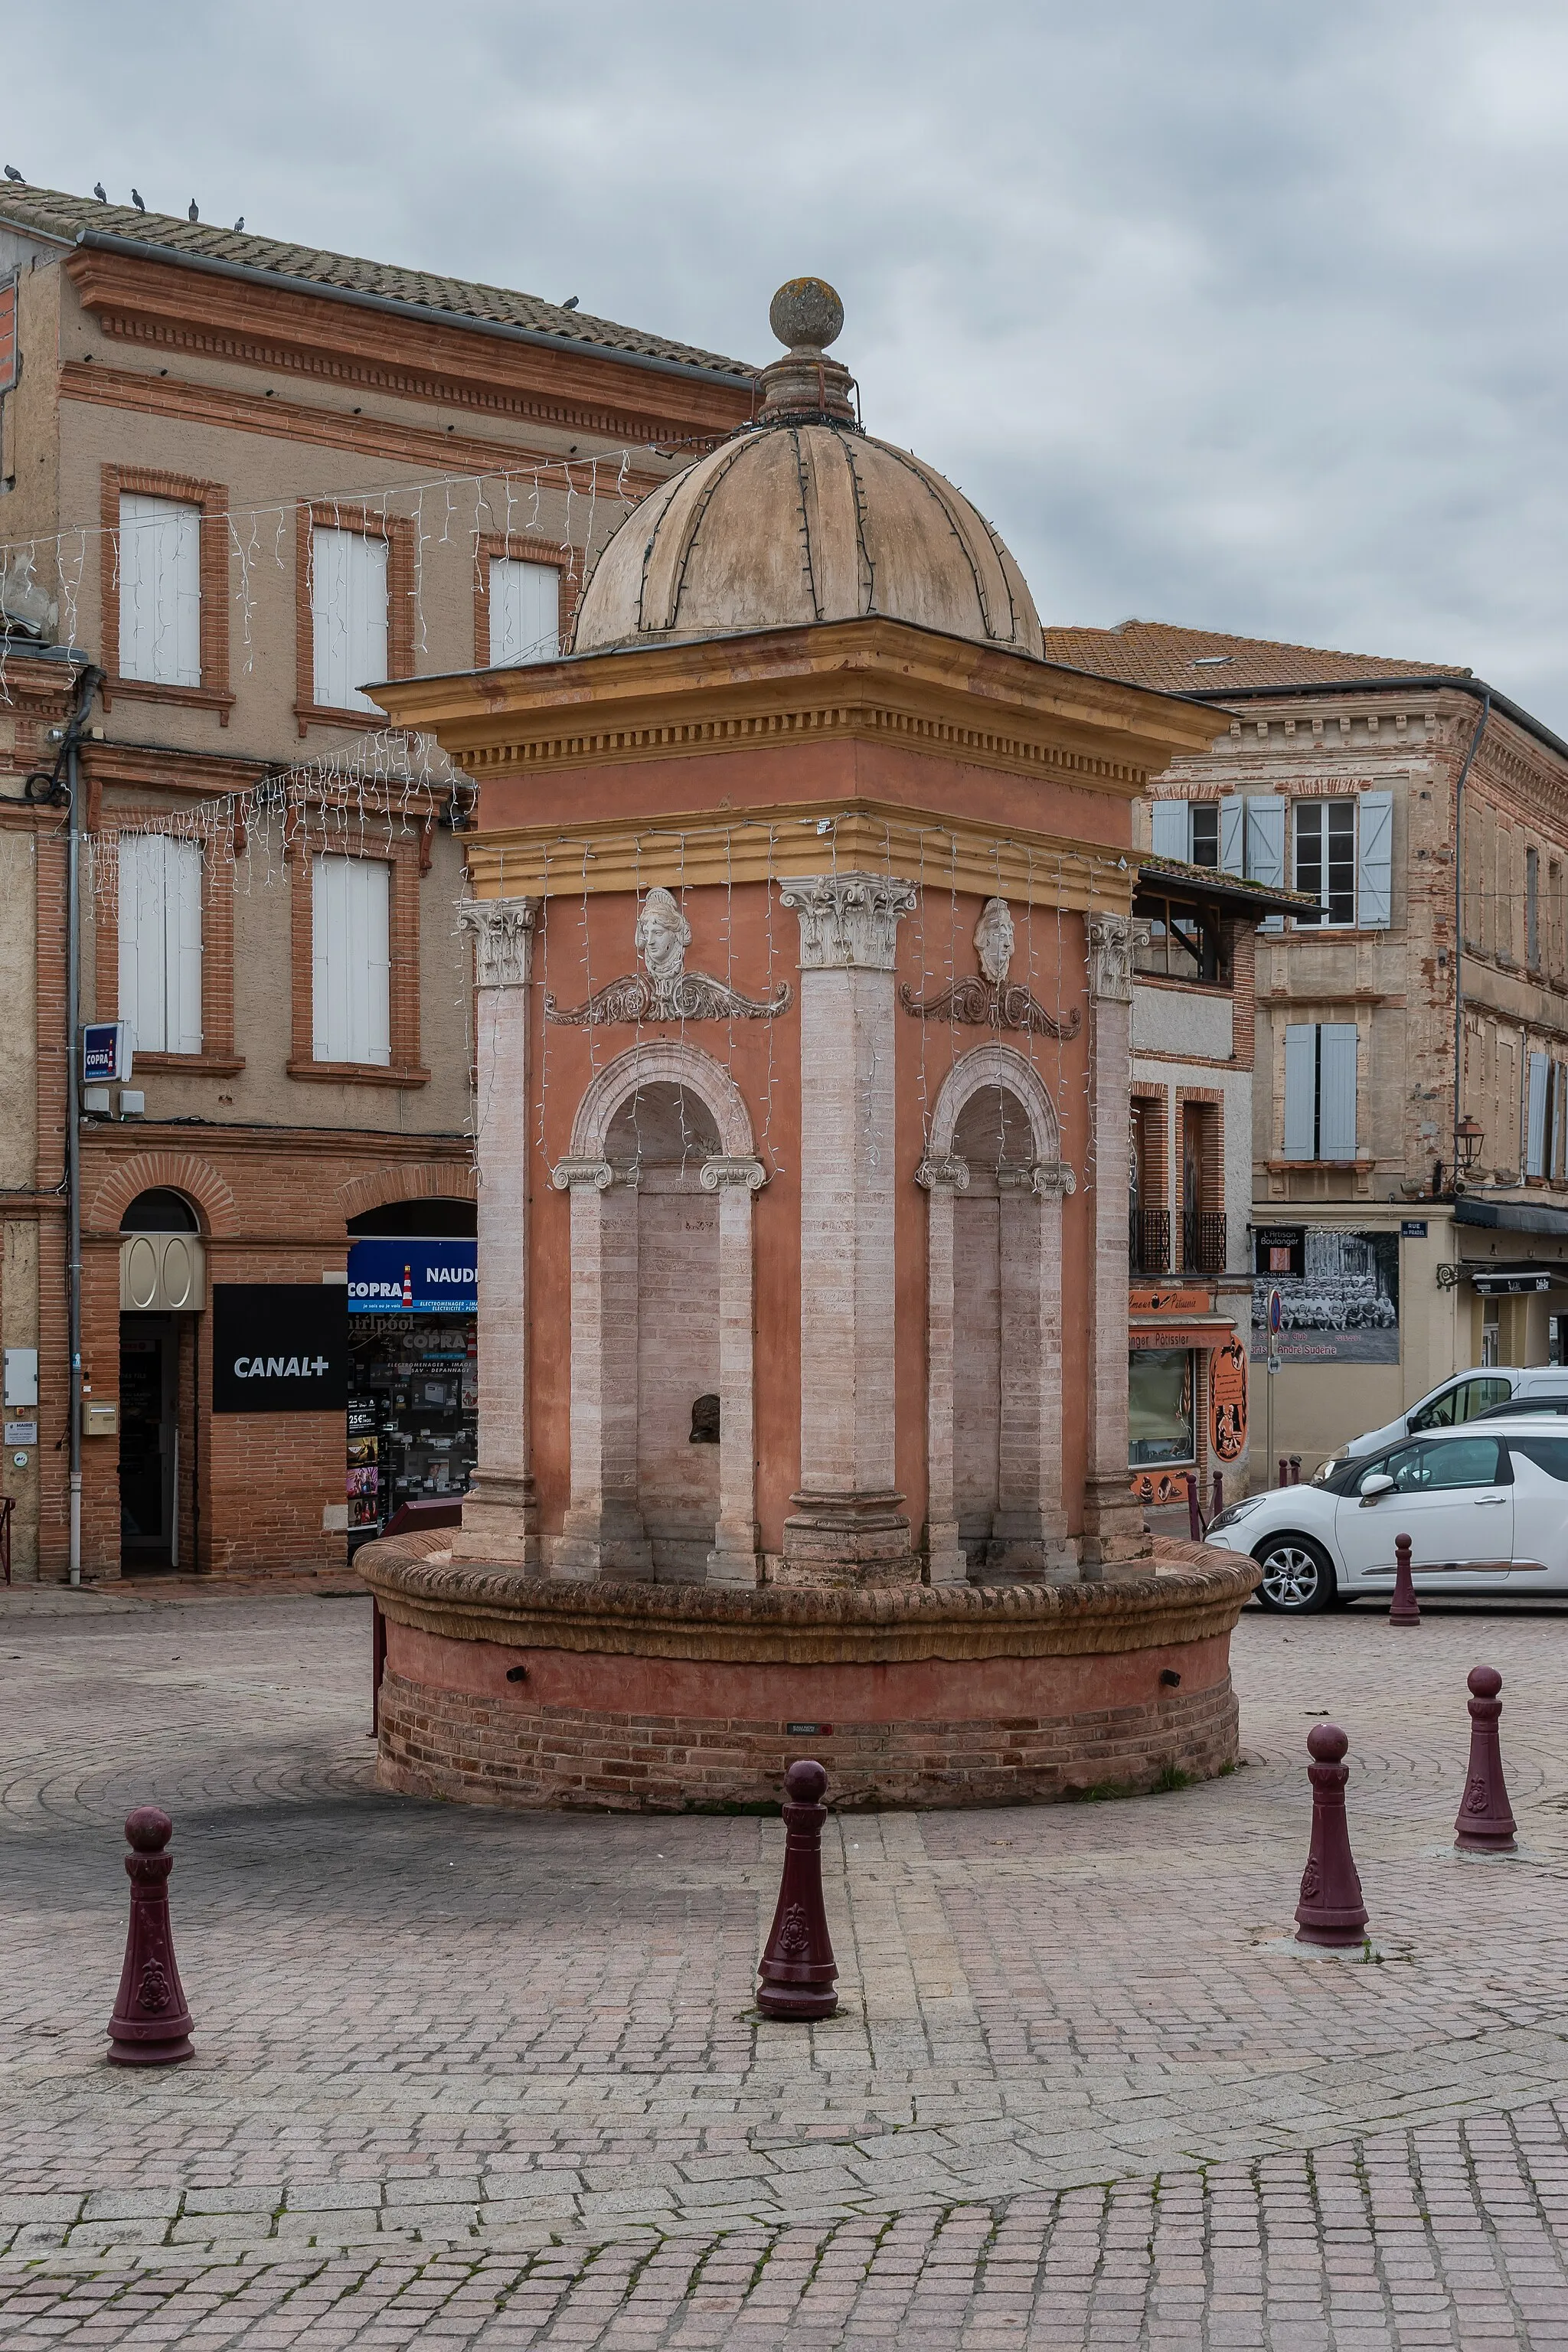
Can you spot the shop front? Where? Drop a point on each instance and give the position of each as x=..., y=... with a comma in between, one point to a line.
x=1187, y=1394
x=413, y=1403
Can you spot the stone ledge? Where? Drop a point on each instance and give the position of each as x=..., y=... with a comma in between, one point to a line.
x=1190, y=1594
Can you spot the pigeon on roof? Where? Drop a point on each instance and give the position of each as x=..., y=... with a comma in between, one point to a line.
x=12, y=173
x=193, y=213
x=100, y=191
x=136, y=200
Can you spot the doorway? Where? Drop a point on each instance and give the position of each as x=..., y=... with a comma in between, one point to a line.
x=149, y=1441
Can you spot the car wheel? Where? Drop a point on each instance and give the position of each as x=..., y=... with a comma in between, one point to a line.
x=1298, y=1574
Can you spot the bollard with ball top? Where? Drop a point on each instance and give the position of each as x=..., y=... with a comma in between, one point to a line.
x=150, y=2025
x=798, y=1972
x=1330, y=1911
x=1486, y=1824
x=1404, y=1609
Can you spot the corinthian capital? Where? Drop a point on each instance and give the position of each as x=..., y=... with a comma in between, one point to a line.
x=1110, y=959
x=503, y=938
x=847, y=922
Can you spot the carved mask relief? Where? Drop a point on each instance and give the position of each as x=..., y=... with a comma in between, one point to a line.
x=664, y=990
x=989, y=1001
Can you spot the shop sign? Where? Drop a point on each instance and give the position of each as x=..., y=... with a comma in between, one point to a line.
x=1227, y=1402
x=106, y=1047
x=280, y=1347
x=1169, y=1302
x=396, y=1276
x=1158, y=1488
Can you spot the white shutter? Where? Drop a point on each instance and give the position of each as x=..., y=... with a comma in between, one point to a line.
x=1266, y=847
x=1233, y=834
x=1535, y=1140
x=161, y=942
x=1300, y=1090
x=525, y=611
x=348, y=617
x=351, y=962
x=1374, y=861
x=183, y=945
x=1170, y=832
x=1336, y=1090
x=160, y=590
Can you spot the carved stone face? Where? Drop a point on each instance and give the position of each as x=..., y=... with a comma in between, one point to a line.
x=993, y=941
x=662, y=936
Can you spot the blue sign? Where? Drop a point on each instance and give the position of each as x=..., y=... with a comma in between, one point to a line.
x=106, y=1050
x=1413, y=1229
x=390, y=1275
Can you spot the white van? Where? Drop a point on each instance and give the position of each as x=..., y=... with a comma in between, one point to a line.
x=1467, y=1396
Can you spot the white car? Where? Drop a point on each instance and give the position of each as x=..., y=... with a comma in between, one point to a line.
x=1485, y=1507
x=1463, y=1397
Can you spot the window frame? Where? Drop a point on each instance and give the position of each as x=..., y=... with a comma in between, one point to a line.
x=397, y=531
x=211, y=499
x=1325, y=919
x=520, y=547
x=217, y=1058
x=406, y=857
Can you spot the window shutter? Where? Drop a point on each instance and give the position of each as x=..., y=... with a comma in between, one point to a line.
x=1336, y=1090
x=348, y=617
x=372, y=960
x=352, y=970
x=1233, y=834
x=1374, y=861
x=1300, y=1090
x=1266, y=847
x=137, y=928
x=1535, y=1140
x=160, y=590
x=525, y=611
x=1168, y=831
x=183, y=952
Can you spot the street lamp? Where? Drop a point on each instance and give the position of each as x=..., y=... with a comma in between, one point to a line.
x=1468, y=1136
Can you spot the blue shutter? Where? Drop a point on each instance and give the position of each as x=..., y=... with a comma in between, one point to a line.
x=1374, y=861
x=1336, y=1090
x=1535, y=1142
x=1300, y=1090
x=1233, y=834
x=1170, y=834
x=1266, y=847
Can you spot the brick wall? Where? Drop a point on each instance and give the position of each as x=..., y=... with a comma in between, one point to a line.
x=677, y=1361
x=976, y=1362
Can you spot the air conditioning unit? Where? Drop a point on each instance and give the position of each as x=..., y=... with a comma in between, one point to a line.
x=163, y=1273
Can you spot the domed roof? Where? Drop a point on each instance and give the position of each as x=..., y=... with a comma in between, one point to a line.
x=801, y=517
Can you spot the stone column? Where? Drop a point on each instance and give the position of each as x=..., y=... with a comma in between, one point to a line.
x=1113, y=1521
x=735, y=1558
x=603, y=1533
x=943, y=1180
x=847, y=1516
x=1030, y=1529
x=501, y=1510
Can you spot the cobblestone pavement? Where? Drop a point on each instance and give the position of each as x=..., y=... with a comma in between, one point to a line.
x=471, y=2078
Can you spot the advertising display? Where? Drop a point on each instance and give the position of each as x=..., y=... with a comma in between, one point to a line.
x=413, y=1395
x=279, y=1346
x=1339, y=1293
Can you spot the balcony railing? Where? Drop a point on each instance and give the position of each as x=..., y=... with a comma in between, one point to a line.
x=1203, y=1242
x=1148, y=1240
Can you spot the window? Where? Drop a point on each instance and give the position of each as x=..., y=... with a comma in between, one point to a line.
x=1532, y=908
x=1535, y=1160
x=1463, y=1402
x=1185, y=943
x=1325, y=858
x=1321, y=1090
x=161, y=942
x=1548, y=1454
x=348, y=616
x=160, y=588
x=1206, y=833
x=1159, y=1406
x=350, y=965
x=525, y=611
x=1431, y=1469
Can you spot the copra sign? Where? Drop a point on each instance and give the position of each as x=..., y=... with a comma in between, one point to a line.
x=394, y=1276
x=280, y=1347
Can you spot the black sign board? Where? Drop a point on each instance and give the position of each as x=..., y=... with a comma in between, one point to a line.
x=1279, y=1250
x=280, y=1346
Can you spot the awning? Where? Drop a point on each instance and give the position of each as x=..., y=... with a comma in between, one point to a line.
x=1511, y=1216
x=1517, y=1279
x=1181, y=1331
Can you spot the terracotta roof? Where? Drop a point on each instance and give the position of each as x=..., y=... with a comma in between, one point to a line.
x=53, y=214
x=1232, y=889
x=1206, y=661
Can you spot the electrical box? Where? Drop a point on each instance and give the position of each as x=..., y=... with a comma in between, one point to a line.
x=100, y=1420
x=21, y=1376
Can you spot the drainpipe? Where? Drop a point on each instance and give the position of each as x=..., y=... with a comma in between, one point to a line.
x=86, y=690
x=1480, y=728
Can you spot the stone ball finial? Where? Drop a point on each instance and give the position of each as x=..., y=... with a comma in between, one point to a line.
x=806, y=310
x=1326, y=1743
x=806, y=1782
x=148, y=1829
x=1485, y=1681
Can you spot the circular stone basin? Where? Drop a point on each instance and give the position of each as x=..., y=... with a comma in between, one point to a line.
x=508, y=1690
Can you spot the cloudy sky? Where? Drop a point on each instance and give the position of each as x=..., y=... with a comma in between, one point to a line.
x=1232, y=312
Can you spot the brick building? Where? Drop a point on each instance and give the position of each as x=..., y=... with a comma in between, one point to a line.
x=242, y=480
x=1410, y=1122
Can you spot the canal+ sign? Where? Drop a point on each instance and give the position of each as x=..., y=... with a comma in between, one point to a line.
x=396, y=1276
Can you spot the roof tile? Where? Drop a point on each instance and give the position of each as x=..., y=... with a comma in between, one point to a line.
x=1192, y=661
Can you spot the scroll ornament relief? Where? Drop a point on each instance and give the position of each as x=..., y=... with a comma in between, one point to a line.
x=665, y=989
x=990, y=1002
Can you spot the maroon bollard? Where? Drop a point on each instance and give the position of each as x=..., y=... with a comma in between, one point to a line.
x=1485, y=1823
x=1295, y=1469
x=798, y=1971
x=1194, y=1516
x=1284, y=1468
x=1404, y=1609
x=1331, y=1910
x=150, y=2025
x=1217, y=1506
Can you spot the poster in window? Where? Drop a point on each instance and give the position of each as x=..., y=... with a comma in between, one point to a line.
x=1227, y=1402
x=1339, y=1295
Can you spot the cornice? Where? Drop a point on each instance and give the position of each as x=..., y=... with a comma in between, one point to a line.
x=781, y=1624
x=797, y=838
x=326, y=428
x=143, y=299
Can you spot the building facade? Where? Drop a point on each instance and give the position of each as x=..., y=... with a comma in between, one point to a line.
x=1410, y=1124
x=243, y=481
